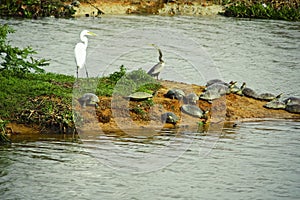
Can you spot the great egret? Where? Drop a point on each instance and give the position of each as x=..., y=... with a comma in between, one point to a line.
x=156, y=69
x=80, y=50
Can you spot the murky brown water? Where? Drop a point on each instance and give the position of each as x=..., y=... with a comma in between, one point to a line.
x=255, y=160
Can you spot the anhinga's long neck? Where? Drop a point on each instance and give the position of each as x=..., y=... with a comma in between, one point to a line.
x=160, y=56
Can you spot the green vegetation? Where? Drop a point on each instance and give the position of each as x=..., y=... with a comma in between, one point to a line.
x=3, y=133
x=106, y=85
x=40, y=99
x=122, y=83
x=136, y=81
x=16, y=60
x=263, y=9
x=30, y=96
x=45, y=99
x=35, y=8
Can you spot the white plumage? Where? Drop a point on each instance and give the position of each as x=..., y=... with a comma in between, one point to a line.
x=80, y=50
x=80, y=54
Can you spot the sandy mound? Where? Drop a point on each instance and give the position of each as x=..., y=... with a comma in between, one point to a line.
x=138, y=114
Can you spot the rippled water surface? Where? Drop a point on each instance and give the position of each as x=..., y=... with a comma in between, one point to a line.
x=263, y=53
x=255, y=160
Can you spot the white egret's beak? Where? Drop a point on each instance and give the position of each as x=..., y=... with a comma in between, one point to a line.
x=91, y=33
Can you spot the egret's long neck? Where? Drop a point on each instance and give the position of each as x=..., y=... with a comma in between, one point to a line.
x=84, y=40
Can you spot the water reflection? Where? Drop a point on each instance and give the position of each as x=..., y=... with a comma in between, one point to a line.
x=246, y=158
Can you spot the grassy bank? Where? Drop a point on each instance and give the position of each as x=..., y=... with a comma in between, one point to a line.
x=263, y=9
x=43, y=100
x=36, y=8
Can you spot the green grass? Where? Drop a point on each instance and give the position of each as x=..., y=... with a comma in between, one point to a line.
x=35, y=8
x=286, y=11
x=124, y=83
x=16, y=91
x=45, y=99
x=40, y=99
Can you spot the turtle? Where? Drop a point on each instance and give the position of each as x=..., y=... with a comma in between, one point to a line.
x=193, y=110
x=248, y=92
x=240, y=90
x=214, y=81
x=275, y=105
x=214, y=91
x=220, y=88
x=139, y=96
x=88, y=99
x=169, y=117
x=292, y=100
x=191, y=98
x=268, y=96
x=209, y=96
x=293, y=108
x=234, y=88
x=175, y=94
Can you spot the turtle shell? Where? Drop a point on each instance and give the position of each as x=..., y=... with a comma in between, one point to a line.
x=248, y=92
x=218, y=89
x=192, y=110
x=294, y=108
x=214, y=81
x=291, y=100
x=275, y=105
x=88, y=99
x=175, y=94
x=214, y=91
x=140, y=96
x=266, y=97
x=192, y=98
x=169, y=117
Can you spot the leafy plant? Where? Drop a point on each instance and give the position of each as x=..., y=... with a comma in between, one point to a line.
x=35, y=8
x=286, y=10
x=136, y=81
x=106, y=84
x=3, y=136
x=18, y=61
x=122, y=83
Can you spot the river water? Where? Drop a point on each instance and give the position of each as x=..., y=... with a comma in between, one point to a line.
x=255, y=160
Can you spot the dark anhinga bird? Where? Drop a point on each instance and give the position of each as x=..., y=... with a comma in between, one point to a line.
x=156, y=69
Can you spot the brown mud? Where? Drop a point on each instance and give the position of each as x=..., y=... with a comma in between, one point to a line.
x=146, y=115
x=135, y=115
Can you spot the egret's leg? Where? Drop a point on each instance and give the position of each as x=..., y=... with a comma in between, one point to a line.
x=77, y=72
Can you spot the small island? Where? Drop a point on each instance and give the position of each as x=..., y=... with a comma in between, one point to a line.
x=42, y=103
x=35, y=102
